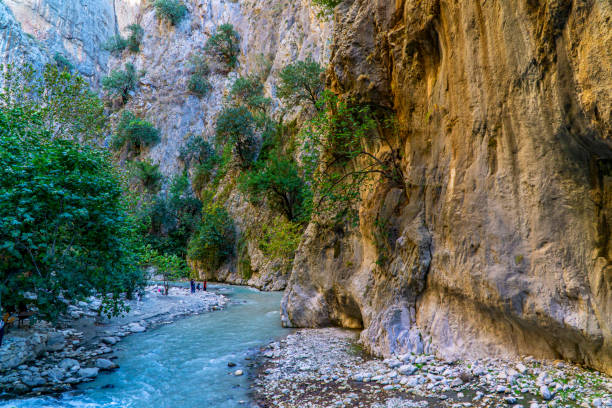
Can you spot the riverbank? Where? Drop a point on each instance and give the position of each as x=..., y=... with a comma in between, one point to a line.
x=45, y=359
x=327, y=368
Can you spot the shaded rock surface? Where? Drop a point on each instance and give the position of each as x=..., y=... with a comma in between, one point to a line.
x=499, y=242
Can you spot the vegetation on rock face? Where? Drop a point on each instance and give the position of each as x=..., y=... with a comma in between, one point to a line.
x=278, y=181
x=236, y=127
x=198, y=83
x=248, y=91
x=214, y=241
x=117, y=43
x=327, y=6
x=62, y=101
x=301, y=83
x=281, y=238
x=121, y=82
x=171, y=10
x=135, y=133
x=62, y=63
x=148, y=175
x=224, y=46
x=65, y=232
x=135, y=37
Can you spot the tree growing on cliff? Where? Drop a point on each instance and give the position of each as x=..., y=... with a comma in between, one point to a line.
x=61, y=100
x=326, y=6
x=121, y=82
x=224, y=46
x=134, y=133
x=171, y=10
x=301, y=83
x=214, y=241
x=339, y=144
x=147, y=174
x=198, y=83
x=135, y=38
x=236, y=127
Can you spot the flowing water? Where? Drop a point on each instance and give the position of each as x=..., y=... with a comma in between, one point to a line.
x=184, y=364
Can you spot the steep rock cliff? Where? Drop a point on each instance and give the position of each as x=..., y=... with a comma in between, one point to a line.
x=500, y=242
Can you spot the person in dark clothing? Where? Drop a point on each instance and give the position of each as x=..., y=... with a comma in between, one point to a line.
x=204, y=286
x=198, y=287
x=192, y=283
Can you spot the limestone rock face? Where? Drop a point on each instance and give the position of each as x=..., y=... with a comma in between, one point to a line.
x=500, y=242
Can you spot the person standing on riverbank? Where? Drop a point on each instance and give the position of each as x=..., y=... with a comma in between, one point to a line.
x=192, y=284
x=204, y=287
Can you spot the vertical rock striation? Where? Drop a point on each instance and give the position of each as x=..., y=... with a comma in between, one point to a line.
x=500, y=242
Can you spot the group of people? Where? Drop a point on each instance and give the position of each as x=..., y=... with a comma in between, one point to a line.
x=197, y=287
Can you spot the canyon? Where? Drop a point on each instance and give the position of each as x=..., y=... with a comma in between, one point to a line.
x=497, y=241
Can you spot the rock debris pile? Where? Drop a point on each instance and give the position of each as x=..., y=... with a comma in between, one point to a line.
x=326, y=368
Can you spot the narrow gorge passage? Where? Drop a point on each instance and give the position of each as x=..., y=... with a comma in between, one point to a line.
x=184, y=364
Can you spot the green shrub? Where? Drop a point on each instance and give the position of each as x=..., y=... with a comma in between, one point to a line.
x=249, y=91
x=198, y=83
x=224, y=45
x=64, y=230
x=148, y=175
x=62, y=63
x=115, y=44
x=196, y=151
x=135, y=37
x=236, y=126
x=244, y=260
x=327, y=6
x=301, y=82
x=279, y=182
x=213, y=243
x=135, y=133
x=62, y=101
x=121, y=83
x=280, y=239
x=170, y=10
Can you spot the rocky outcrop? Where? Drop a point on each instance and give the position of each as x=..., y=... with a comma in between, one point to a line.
x=499, y=243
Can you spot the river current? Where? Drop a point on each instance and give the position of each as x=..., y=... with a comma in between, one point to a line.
x=183, y=364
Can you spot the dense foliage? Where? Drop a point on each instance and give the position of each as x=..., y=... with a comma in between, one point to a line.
x=327, y=6
x=198, y=83
x=115, y=44
x=236, y=127
x=135, y=133
x=148, y=175
x=62, y=102
x=224, y=46
x=170, y=10
x=62, y=63
x=214, y=241
x=135, y=37
x=121, y=82
x=64, y=232
x=280, y=238
x=301, y=82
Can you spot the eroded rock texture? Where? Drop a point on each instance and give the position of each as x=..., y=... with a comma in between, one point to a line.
x=500, y=242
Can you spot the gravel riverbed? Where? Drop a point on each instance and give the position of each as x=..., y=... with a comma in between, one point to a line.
x=327, y=368
x=46, y=359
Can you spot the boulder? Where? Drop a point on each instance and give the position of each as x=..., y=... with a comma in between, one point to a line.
x=56, y=342
x=68, y=363
x=105, y=364
x=88, y=372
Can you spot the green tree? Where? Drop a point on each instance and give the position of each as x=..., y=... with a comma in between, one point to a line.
x=170, y=10
x=62, y=63
x=170, y=267
x=280, y=238
x=64, y=230
x=135, y=133
x=327, y=6
x=121, y=82
x=62, y=101
x=115, y=44
x=148, y=175
x=279, y=182
x=301, y=82
x=196, y=151
x=236, y=126
x=224, y=45
x=198, y=81
x=214, y=241
x=135, y=38
x=337, y=154
x=249, y=91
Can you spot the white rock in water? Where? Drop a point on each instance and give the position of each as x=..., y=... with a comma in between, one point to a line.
x=136, y=328
x=88, y=372
x=238, y=372
x=105, y=364
x=109, y=340
x=68, y=363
